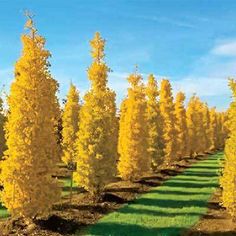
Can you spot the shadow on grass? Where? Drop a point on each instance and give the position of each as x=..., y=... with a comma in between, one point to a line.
x=190, y=185
x=191, y=179
x=205, y=168
x=200, y=174
x=114, y=229
x=169, y=203
x=128, y=210
x=175, y=192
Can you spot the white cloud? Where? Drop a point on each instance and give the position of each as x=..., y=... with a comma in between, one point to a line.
x=168, y=20
x=202, y=86
x=225, y=49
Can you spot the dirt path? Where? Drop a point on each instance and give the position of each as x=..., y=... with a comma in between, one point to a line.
x=169, y=209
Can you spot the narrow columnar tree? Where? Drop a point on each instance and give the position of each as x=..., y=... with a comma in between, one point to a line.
x=213, y=129
x=206, y=127
x=70, y=124
x=200, y=127
x=220, y=129
x=133, y=135
x=167, y=111
x=155, y=123
x=2, y=132
x=181, y=126
x=224, y=119
x=98, y=127
x=228, y=179
x=195, y=127
x=30, y=161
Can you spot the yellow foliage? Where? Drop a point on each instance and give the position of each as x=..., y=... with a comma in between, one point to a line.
x=70, y=124
x=195, y=126
x=30, y=161
x=98, y=127
x=213, y=128
x=155, y=123
x=167, y=112
x=228, y=179
x=134, y=159
x=206, y=127
x=2, y=132
x=181, y=126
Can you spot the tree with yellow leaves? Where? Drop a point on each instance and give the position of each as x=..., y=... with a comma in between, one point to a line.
x=155, y=123
x=224, y=129
x=2, y=132
x=167, y=112
x=70, y=125
x=213, y=129
x=206, y=127
x=228, y=179
x=195, y=126
x=181, y=126
x=30, y=161
x=98, y=127
x=133, y=134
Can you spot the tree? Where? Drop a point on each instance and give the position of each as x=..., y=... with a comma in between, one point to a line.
x=155, y=123
x=181, y=126
x=30, y=161
x=206, y=128
x=2, y=132
x=228, y=179
x=167, y=112
x=213, y=129
x=70, y=124
x=133, y=135
x=98, y=128
x=195, y=126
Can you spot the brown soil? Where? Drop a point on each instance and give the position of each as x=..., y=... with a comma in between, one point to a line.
x=216, y=222
x=67, y=218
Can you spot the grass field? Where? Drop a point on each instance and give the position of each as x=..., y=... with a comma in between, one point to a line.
x=166, y=210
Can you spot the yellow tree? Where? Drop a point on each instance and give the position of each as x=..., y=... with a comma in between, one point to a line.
x=228, y=179
x=206, y=127
x=2, y=132
x=167, y=112
x=181, y=126
x=70, y=124
x=133, y=135
x=224, y=131
x=213, y=129
x=30, y=161
x=195, y=126
x=220, y=129
x=155, y=123
x=98, y=127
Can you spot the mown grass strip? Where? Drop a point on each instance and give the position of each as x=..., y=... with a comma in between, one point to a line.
x=168, y=209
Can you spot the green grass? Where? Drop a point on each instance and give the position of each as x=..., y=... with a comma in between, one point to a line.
x=66, y=183
x=3, y=212
x=168, y=209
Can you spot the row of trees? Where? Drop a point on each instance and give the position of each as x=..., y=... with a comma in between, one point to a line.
x=152, y=129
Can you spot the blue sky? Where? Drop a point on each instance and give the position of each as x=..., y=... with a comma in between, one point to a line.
x=192, y=42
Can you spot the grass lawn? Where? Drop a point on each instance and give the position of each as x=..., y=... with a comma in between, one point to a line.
x=168, y=209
